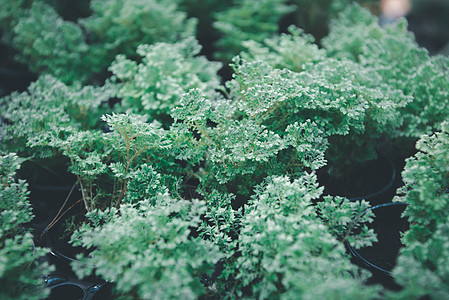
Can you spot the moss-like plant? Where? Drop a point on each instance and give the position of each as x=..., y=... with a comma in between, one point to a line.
x=423, y=262
x=248, y=20
x=49, y=44
x=82, y=50
x=49, y=108
x=291, y=51
x=20, y=271
x=393, y=52
x=239, y=149
x=352, y=110
x=191, y=193
x=166, y=71
x=106, y=162
x=149, y=250
x=118, y=27
x=286, y=251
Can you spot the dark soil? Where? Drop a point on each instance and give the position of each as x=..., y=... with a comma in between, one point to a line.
x=375, y=181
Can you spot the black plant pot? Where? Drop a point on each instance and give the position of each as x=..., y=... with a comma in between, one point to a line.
x=375, y=181
x=381, y=257
x=64, y=286
x=55, y=198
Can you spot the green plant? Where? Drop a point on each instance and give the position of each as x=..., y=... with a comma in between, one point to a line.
x=291, y=51
x=166, y=71
x=393, y=52
x=352, y=110
x=49, y=108
x=118, y=27
x=195, y=190
x=49, y=44
x=423, y=262
x=20, y=272
x=285, y=251
x=239, y=149
x=149, y=249
x=247, y=20
x=106, y=162
x=82, y=50
x=9, y=15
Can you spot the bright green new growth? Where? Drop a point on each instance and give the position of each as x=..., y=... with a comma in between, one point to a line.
x=166, y=71
x=248, y=20
x=20, y=273
x=424, y=261
x=149, y=250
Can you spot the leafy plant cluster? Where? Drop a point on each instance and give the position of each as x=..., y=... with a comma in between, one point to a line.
x=50, y=108
x=148, y=249
x=248, y=20
x=423, y=263
x=286, y=251
x=193, y=188
x=20, y=272
x=82, y=50
x=79, y=44
x=401, y=63
x=166, y=71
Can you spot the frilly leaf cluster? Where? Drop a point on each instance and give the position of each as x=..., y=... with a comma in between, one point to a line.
x=20, y=272
x=423, y=263
x=149, y=249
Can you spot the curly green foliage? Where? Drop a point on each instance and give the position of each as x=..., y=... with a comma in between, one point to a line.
x=106, y=162
x=393, y=52
x=406, y=66
x=10, y=13
x=118, y=27
x=341, y=98
x=89, y=154
x=286, y=252
x=247, y=20
x=148, y=250
x=32, y=113
x=290, y=51
x=222, y=222
x=82, y=50
x=426, y=185
x=422, y=268
x=145, y=184
x=49, y=44
x=167, y=71
x=133, y=140
x=49, y=108
x=241, y=151
x=350, y=31
x=347, y=220
x=423, y=264
x=19, y=270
